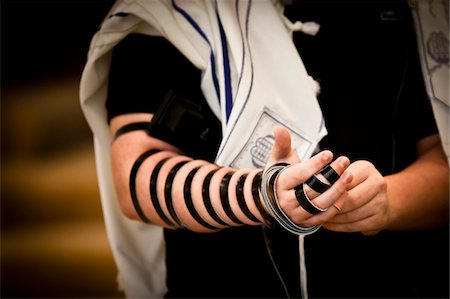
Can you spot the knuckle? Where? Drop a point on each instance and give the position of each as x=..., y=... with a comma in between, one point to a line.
x=351, y=201
x=365, y=165
x=309, y=223
x=380, y=183
x=284, y=204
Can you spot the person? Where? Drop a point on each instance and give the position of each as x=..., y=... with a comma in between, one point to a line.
x=383, y=221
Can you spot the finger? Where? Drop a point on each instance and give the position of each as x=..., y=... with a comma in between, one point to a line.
x=368, y=219
x=359, y=196
x=365, y=224
x=334, y=190
x=370, y=232
x=298, y=173
x=361, y=172
x=362, y=201
x=374, y=211
x=326, y=200
x=323, y=217
x=282, y=146
x=339, y=204
x=338, y=165
x=356, y=190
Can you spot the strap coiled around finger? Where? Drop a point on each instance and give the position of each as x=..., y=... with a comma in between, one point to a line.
x=318, y=185
x=330, y=174
x=305, y=202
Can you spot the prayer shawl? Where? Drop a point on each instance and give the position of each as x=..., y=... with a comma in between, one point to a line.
x=252, y=78
x=432, y=28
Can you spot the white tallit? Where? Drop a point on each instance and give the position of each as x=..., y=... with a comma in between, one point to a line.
x=252, y=78
x=431, y=19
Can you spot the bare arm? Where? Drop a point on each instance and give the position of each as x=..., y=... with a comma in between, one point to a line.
x=419, y=195
x=173, y=190
x=170, y=187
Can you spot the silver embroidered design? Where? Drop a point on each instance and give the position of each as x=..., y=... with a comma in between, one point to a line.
x=260, y=152
x=256, y=150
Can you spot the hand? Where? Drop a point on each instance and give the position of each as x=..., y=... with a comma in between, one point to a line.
x=365, y=204
x=298, y=173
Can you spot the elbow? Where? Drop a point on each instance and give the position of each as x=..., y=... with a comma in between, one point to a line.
x=125, y=201
x=127, y=208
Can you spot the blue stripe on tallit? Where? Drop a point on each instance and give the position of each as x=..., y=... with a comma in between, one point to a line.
x=251, y=68
x=203, y=35
x=226, y=71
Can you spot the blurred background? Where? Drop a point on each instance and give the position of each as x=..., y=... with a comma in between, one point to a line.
x=53, y=240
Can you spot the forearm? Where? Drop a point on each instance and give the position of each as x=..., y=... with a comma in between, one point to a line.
x=419, y=195
x=155, y=183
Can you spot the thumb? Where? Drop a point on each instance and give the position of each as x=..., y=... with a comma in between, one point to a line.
x=281, y=150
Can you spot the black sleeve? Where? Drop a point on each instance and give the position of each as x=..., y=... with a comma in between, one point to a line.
x=415, y=114
x=415, y=118
x=373, y=95
x=143, y=70
x=148, y=74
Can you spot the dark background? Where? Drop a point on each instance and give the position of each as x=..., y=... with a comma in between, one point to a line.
x=53, y=240
x=40, y=39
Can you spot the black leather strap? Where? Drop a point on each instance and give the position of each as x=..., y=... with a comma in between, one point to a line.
x=241, y=199
x=168, y=191
x=317, y=185
x=207, y=199
x=225, y=200
x=188, y=200
x=256, y=185
x=131, y=127
x=305, y=202
x=132, y=183
x=154, y=194
x=330, y=174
